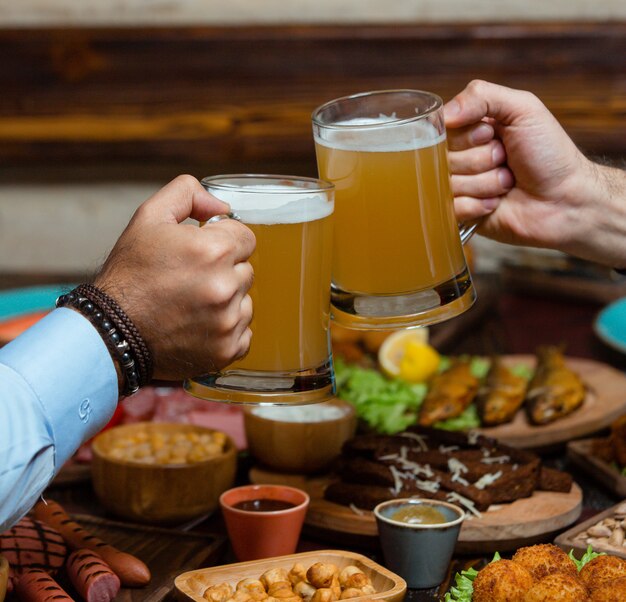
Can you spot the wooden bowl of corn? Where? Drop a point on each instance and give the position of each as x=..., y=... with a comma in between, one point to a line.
x=162, y=472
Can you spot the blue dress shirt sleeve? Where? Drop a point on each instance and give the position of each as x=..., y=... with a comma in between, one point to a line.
x=58, y=388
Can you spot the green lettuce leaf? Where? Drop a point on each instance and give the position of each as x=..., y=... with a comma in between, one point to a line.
x=587, y=556
x=467, y=420
x=463, y=588
x=387, y=406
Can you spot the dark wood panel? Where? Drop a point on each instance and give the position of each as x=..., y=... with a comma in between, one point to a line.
x=139, y=102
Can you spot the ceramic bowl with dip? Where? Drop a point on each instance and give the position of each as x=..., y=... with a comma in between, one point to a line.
x=417, y=537
x=299, y=439
x=263, y=520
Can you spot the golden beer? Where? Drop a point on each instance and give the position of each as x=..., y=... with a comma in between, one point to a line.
x=289, y=360
x=397, y=253
x=290, y=294
x=402, y=200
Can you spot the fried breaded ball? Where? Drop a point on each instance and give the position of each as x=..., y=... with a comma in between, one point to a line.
x=323, y=594
x=322, y=575
x=297, y=573
x=352, y=576
x=558, y=587
x=543, y=560
x=272, y=576
x=602, y=569
x=502, y=581
x=218, y=593
x=304, y=589
x=612, y=591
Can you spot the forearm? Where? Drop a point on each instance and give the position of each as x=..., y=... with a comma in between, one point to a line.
x=58, y=388
x=598, y=227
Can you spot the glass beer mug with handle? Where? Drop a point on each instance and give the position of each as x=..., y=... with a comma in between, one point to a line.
x=290, y=358
x=398, y=258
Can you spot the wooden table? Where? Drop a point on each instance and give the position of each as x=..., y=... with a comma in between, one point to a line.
x=504, y=322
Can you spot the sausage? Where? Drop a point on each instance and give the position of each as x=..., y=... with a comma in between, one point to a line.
x=35, y=585
x=131, y=571
x=33, y=544
x=92, y=577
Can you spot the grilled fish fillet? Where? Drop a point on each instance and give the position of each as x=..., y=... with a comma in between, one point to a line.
x=554, y=390
x=501, y=395
x=450, y=393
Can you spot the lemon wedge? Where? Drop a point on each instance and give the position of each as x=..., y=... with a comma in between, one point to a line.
x=406, y=354
x=419, y=363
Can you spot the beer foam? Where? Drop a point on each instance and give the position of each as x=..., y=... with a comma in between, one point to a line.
x=272, y=204
x=371, y=134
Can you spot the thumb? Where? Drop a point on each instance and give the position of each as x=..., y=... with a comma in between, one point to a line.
x=184, y=197
x=481, y=99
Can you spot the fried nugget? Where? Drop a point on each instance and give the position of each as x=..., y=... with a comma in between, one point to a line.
x=602, y=569
x=558, y=587
x=502, y=581
x=612, y=591
x=543, y=560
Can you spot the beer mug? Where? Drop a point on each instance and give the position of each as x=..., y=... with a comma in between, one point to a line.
x=290, y=358
x=398, y=258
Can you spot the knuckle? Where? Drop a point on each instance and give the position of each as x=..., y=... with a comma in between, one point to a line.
x=220, y=292
x=244, y=343
x=218, y=249
x=186, y=181
x=530, y=98
x=476, y=86
x=141, y=213
x=241, y=234
x=248, y=279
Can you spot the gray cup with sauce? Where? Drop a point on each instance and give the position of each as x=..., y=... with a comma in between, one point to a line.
x=420, y=552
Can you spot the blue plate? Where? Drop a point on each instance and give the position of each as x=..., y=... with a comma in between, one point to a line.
x=23, y=301
x=610, y=325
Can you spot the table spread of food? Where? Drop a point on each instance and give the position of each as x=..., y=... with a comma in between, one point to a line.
x=164, y=503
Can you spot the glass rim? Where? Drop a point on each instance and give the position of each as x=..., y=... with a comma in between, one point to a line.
x=462, y=515
x=437, y=104
x=224, y=182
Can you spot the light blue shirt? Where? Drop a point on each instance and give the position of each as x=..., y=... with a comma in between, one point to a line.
x=58, y=388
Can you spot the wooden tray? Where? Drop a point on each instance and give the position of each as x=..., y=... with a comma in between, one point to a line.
x=165, y=551
x=605, y=401
x=580, y=453
x=502, y=527
x=389, y=586
x=567, y=540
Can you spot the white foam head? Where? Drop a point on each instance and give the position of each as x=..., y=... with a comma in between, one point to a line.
x=275, y=204
x=376, y=135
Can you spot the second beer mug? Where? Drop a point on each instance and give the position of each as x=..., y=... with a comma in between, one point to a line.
x=289, y=359
x=398, y=258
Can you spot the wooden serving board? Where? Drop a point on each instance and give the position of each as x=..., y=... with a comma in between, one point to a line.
x=567, y=540
x=605, y=401
x=167, y=552
x=389, y=586
x=502, y=527
x=581, y=453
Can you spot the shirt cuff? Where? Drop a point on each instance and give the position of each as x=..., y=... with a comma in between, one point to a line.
x=68, y=366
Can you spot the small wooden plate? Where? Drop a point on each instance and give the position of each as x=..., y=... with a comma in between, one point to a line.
x=605, y=401
x=503, y=527
x=389, y=586
x=567, y=540
x=581, y=453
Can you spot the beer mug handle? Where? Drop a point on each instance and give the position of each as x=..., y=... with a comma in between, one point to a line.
x=467, y=230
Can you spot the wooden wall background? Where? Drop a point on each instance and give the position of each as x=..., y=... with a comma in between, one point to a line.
x=149, y=103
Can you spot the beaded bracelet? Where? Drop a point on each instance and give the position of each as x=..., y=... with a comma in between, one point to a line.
x=120, y=335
